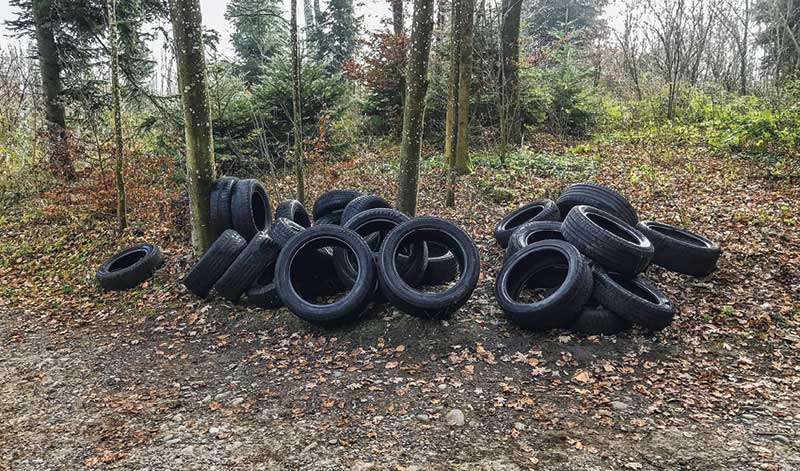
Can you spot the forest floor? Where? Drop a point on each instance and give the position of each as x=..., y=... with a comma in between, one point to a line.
x=157, y=379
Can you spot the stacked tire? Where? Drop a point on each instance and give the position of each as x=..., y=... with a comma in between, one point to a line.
x=585, y=273
x=358, y=252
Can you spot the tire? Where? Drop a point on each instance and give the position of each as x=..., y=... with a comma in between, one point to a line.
x=264, y=295
x=595, y=319
x=427, y=304
x=334, y=200
x=361, y=204
x=213, y=264
x=442, y=266
x=348, y=307
x=607, y=240
x=260, y=252
x=250, y=210
x=680, y=250
x=129, y=268
x=637, y=300
x=598, y=196
x=333, y=218
x=293, y=210
x=542, y=210
x=534, y=266
x=282, y=230
x=220, y=204
x=531, y=232
x=375, y=224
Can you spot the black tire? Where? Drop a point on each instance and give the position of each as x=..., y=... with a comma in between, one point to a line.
x=542, y=210
x=361, y=204
x=263, y=292
x=426, y=304
x=293, y=210
x=595, y=319
x=374, y=225
x=220, y=204
x=334, y=200
x=442, y=266
x=213, y=264
x=607, y=240
x=333, y=218
x=129, y=268
x=637, y=300
x=282, y=230
x=598, y=196
x=680, y=250
x=348, y=307
x=260, y=252
x=531, y=232
x=250, y=208
x=554, y=265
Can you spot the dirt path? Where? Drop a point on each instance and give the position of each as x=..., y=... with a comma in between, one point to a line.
x=156, y=380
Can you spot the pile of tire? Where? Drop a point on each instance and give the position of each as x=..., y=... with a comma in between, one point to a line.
x=586, y=272
x=357, y=253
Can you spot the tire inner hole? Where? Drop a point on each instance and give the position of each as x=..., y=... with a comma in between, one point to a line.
x=127, y=260
x=612, y=227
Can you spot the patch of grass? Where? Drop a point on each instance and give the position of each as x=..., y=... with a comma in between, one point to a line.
x=577, y=163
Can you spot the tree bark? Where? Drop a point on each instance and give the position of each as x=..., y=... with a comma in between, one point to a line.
x=119, y=170
x=398, y=23
x=297, y=116
x=451, y=115
x=200, y=169
x=413, y=112
x=50, y=70
x=744, y=51
x=464, y=82
x=512, y=11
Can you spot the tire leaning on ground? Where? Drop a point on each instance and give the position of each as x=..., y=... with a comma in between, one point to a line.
x=680, y=250
x=213, y=264
x=293, y=210
x=129, y=267
x=595, y=319
x=428, y=304
x=220, y=204
x=334, y=200
x=598, y=196
x=346, y=308
x=542, y=210
x=260, y=251
x=637, y=300
x=250, y=210
x=534, y=266
x=607, y=240
x=361, y=204
x=442, y=265
x=531, y=232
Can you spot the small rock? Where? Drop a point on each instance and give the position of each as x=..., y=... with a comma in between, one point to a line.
x=187, y=451
x=782, y=439
x=237, y=401
x=749, y=416
x=214, y=430
x=474, y=424
x=519, y=426
x=362, y=466
x=455, y=418
x=333, y=441
x=423, y=417
x=619, y=405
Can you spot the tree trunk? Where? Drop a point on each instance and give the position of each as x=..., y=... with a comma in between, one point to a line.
x=451, y=116
x=200, y=169
x=297, y=116
x=413, y=112
x=743, y=59
x=464, y=82
x=398, y=23
x=50, y=69
x=119, y=170
x=512, y=11
x=308, y=14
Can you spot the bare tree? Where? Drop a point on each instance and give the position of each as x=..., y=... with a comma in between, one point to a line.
x=119, y=158
x=510, y=26
x=187, y=28
x=451, y=115
x=630, y=46
x=414, y=110
x=297, y=117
